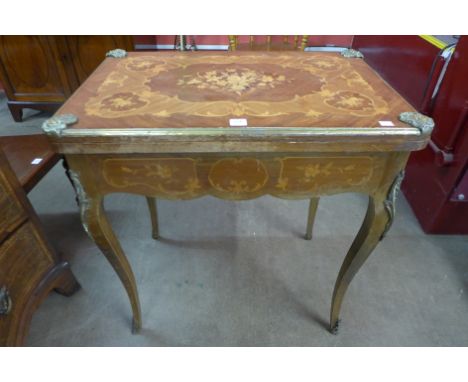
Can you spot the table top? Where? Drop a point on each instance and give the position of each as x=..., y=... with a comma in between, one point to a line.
x=163, y=94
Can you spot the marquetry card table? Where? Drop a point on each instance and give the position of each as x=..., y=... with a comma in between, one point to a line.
x=237, y=125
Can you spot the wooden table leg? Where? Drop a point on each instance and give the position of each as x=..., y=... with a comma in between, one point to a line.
x=368, y=237
x=313, y=204
x=379, y=218
x=154, y=216
x=92, y=185
x=96, y=224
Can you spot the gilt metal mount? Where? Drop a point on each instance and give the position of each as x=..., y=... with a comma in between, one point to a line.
x=390, y=202
x=424, y=123
x=83, y=200
x=57, y=123
x=117, y=53
x=5, y=301
x=351, y=53
x=334, y=330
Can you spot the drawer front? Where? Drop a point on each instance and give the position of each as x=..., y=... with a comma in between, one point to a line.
x=242, y=177
x=24, y=260
x=11, y=211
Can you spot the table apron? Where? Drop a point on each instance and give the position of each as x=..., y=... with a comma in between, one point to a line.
x=235, y=176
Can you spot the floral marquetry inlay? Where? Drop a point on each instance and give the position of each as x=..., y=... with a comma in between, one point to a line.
x=307, y=174
x=350, y=101
x=246, y=175
x=269, y=89
x=217, y=88
x=176, y=177
x=123, y=101
x=233, y=80
x=238, y=178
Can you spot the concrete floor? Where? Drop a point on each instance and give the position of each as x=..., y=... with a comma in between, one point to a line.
x=240, y=274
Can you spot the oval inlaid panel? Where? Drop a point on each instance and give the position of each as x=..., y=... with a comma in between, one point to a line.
x=238, y=175
x=266, y=82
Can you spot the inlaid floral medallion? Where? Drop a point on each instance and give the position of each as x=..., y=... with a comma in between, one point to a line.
x=247, y=175
x=353, y=101
x=123, y=101
x=235, y=82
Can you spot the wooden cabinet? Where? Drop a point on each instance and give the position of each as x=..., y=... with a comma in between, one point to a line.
x=29, y=267
x=41, y=72
x=87, y=52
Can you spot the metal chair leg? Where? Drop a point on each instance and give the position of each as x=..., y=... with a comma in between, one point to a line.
x=154, y=216
x=311, y=218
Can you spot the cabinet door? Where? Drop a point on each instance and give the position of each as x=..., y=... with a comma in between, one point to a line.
x=87, y=52
x=31, y=69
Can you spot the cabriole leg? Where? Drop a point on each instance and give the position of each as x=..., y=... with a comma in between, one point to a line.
x=97, y=226
x=374, y=225
x=154, y=216
x=378, y=220
x=311, y=217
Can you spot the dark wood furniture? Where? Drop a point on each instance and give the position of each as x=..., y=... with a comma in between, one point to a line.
x=237, y=125
x=30, y=157
x=41, y=72
x=29, y=266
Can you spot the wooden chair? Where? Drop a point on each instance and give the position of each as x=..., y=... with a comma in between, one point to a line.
x=269, y=43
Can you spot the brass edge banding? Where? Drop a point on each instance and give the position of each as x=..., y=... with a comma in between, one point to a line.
x=422, y=122
x=351, y=53
x=117, y=53
x=58, y=123
x=245, y=132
